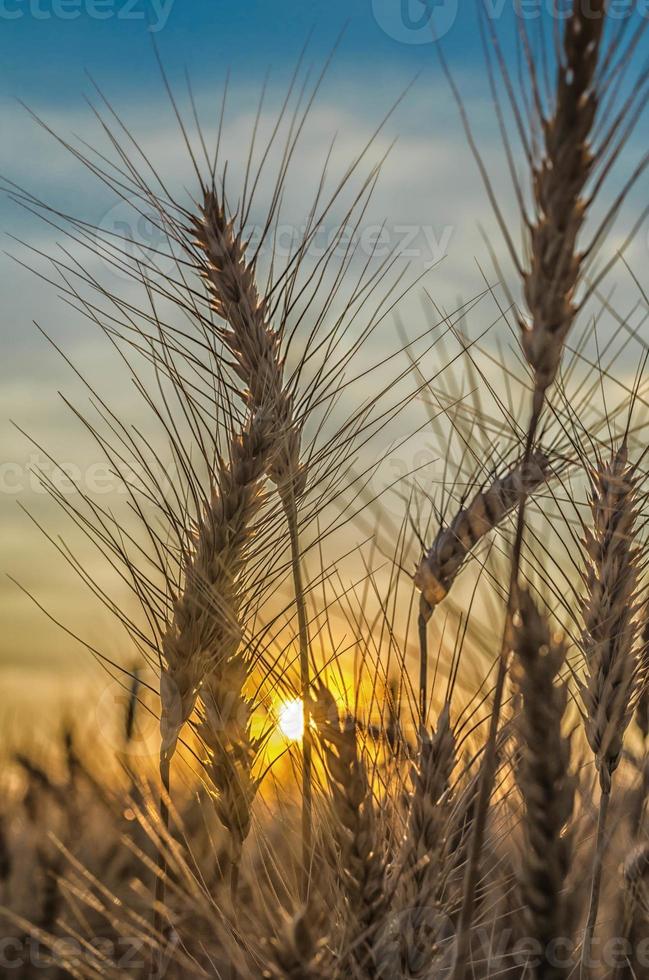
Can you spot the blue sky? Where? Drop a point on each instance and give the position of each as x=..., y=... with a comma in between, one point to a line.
x=46, y=46
x=44, y=56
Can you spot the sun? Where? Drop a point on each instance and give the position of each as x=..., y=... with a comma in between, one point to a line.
x=290, y=718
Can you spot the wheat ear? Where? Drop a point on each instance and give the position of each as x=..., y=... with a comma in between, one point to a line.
x=363, y=870
x=256, y=347
x=441, y=563
x=545, y=781
x=297, y=954
x=609, y=611
x=224, y=729
x=559, y=179
x=205, y=631
x=549, y=284
x=250, y=337
x=636, y=906
x=422, y=854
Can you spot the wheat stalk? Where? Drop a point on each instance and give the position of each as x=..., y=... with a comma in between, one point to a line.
x=256, y=347
x=549, y=286
x=609, y=612
x=546, y=784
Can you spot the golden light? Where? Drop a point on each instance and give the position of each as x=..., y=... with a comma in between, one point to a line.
x=290, y=719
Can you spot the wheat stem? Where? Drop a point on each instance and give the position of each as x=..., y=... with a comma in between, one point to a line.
x=290, y=509
x=422, y=628
x=596, y=885
x=161, y=859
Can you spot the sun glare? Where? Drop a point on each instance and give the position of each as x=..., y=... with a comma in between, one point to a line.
x=291, y=719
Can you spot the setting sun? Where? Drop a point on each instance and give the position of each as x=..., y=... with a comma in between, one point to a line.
x=291, y=719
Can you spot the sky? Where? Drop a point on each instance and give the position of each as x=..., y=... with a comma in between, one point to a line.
x=47, y=45
x=50, y=50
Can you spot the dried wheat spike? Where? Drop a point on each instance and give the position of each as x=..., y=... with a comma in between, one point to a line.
x=296, y=954
x=609, y=610
x=559, y=179
x=442, y=562
x=354, y=824
x=205, y=630
x=545, y=782
x=251, y=338
x=224, y=728
x=422, y=858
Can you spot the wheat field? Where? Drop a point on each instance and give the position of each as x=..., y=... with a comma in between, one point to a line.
x=354, y=741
